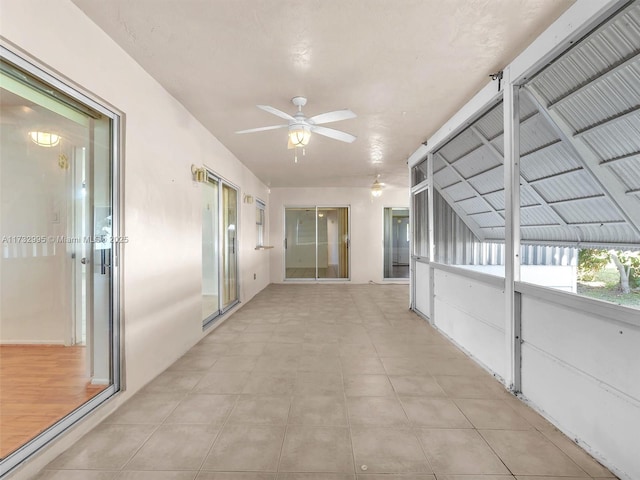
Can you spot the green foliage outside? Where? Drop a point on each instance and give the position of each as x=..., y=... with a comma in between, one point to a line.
x=611, y=275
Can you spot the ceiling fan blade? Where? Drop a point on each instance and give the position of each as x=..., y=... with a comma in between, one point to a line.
x=276, y=112
x=335, y=134
x=332, y=117
x=262, y=129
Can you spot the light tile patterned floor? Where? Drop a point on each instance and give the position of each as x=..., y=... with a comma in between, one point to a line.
x=314, y=382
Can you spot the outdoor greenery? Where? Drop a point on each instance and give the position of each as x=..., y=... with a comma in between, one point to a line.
x=610, y=275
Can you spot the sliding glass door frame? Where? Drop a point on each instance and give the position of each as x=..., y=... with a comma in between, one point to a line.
x=211, y=177
x=115, y=317
x=317, y=208
x=384, y=245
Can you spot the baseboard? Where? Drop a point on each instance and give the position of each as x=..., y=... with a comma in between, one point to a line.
x=53, y=343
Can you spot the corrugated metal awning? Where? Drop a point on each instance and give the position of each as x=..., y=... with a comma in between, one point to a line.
x=579, y=147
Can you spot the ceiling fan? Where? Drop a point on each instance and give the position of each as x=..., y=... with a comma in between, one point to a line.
x=301, y=127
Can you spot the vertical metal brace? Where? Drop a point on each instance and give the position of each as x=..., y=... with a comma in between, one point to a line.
x=512, y=228
x=517, y=379
x=431, y=235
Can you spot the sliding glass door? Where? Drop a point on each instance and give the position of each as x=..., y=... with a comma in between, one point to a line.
x=230, y=246
x=316, y=243
x=58, y=222
x=219, y=247
x=396, y=243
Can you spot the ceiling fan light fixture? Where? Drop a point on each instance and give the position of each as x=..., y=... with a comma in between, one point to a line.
x=376, y=189
x=44, y=139
x=299, y=136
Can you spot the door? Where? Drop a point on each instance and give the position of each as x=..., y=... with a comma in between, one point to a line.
x=316, y=243
x=229, y=246
x=210, y=250
x=58, y=160
x=300, y=243
x=396, y=242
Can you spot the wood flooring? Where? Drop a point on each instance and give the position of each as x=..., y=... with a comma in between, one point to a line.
x=39, y=385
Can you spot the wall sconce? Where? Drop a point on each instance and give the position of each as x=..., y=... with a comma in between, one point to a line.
x=248, y=199
x=199, y=174
x=45, y=139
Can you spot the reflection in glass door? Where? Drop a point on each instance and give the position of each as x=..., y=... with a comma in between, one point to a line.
x=210, y=251
x=219, y=248
x=396, y=242
x=58, y=226
x=229, y=246
x=316, y=243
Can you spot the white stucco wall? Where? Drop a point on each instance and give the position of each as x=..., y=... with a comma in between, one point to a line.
x=161, y=281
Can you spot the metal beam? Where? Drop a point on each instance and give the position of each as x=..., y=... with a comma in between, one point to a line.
x=554, y=175
x=540, y=148
x=578, y=199
x=511, y=121
x=604, y=177
x=625, y=62
x=621, y=116
x=469, y=222
x=536, y=194
x=464, y=180
x=621, y=158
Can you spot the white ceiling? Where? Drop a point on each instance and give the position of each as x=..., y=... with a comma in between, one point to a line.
x=403, y=66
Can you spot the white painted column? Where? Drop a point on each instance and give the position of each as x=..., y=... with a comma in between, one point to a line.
x=432, y=246
x=512, y=230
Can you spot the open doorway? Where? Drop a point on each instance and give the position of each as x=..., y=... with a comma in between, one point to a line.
x=396, y=242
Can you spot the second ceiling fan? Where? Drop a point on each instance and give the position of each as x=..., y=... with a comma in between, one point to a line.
x=301, y=127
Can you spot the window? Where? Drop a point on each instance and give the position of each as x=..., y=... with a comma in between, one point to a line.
x=260, y=223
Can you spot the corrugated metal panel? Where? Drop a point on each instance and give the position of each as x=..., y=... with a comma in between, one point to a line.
x=548, y=255
x=527, y=107
x=569, y=186
x=445, y=177
x=585, y=211
x=536, y=133
x=498, y=143
x=464, y=143
x=474, y=205
x=596, y=234
x=628, y=173
x=460, y=191
x=489, y=181
x=492, y=123
x=454, y=241
x=592, y=56
x=527, y=196
x=550, y=234
x=552, y=160
x=603, y=99
x=496, y=199
x=616, y=139
x=495, y=234
x=491, y=219
x=537, y=216
x=477, y=161
x=555, y=173
x=438, y=164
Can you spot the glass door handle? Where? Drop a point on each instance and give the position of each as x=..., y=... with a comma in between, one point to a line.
x=233, y=245
x=83, y=261
x=285, y=243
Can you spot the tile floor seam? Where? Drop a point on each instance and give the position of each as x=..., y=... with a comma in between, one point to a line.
x=284, y=437
x=224, y=424
x=124, y=466
x=346, y=414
